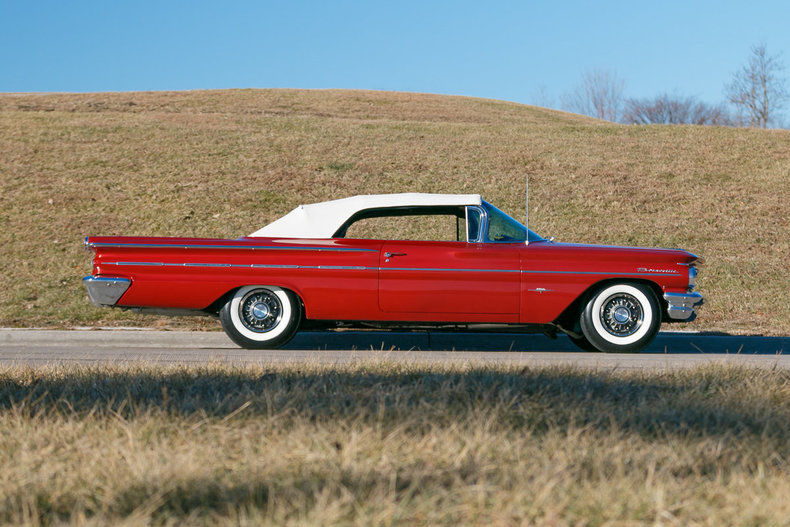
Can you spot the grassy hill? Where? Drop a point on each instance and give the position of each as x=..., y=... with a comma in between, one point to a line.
x=223, y=163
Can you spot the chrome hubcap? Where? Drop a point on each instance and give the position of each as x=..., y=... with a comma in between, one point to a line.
x=260, y=310
x=621, y=315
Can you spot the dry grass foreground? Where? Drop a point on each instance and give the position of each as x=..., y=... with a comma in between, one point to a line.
x=378, y=444
x=223, y=163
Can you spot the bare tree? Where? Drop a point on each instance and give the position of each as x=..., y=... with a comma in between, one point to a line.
x=600, y=94
x=758, y=89
x=540, y=96
x=667, y=109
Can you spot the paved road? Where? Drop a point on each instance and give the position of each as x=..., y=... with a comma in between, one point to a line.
x=670, y=349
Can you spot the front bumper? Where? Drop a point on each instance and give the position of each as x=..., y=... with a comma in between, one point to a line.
x=680, y=306
x=105, y=291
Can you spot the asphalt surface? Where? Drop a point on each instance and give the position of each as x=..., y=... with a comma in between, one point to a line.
x=668, y=350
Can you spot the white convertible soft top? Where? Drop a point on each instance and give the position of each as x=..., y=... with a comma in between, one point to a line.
x=322, y=220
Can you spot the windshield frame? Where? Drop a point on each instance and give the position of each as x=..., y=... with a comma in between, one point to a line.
x=488, y=210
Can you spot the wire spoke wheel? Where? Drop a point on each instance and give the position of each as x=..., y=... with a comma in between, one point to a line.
x=260, y=311
x=621, y=314
x=620, y=317
x=261, y=316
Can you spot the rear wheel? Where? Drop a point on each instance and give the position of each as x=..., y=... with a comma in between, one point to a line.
x=261, y=317
x=621, y=318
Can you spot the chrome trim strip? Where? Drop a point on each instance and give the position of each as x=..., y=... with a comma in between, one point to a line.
x=448, y=269
x=328, y=267
x=253, y=247
x=154, y=264
x=346, y=267
x=365, y=268
x=244, y=266
x=618, y=273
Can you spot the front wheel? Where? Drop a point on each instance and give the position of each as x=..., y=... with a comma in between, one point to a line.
x=261, y=317
x=621, y=318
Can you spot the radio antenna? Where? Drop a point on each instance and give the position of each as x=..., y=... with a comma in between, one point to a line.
x=526, y=207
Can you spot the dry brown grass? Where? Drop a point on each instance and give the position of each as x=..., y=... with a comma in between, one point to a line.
x=223, y=163
x=378, y=444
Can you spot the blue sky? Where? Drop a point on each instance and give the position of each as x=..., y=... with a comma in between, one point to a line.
x=501, y=50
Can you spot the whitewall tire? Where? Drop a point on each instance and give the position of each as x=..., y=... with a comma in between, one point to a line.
x=261, y=316
x=621, y=318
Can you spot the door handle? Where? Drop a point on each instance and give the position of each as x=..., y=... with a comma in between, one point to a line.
x=390, y=255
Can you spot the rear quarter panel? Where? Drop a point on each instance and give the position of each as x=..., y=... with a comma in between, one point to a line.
x=335, y=278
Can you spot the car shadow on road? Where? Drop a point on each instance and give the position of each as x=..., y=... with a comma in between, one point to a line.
x=665, y=342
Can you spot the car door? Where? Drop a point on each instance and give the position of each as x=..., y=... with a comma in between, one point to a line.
x=434, y=277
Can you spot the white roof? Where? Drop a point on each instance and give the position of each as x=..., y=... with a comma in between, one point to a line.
x=322, y=220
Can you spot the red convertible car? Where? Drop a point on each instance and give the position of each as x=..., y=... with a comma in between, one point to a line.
x=400, y=260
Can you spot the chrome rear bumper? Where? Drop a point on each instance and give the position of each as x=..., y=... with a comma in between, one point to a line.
x=105, y=291
x=680, y=306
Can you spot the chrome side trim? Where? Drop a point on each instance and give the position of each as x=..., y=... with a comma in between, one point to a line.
x=243, y=266
x=448, y=270
x=345, y=267
x=154, y=264
x=105, y=291
x=204, y=265
x=253, y=247
x=328, y=267
x=681, y=306
x=617, y=273
x=365, y=268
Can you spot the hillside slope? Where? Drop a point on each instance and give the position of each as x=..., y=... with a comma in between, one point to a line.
x=223, y=163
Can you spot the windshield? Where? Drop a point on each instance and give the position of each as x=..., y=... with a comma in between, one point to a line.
x=503, y=228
